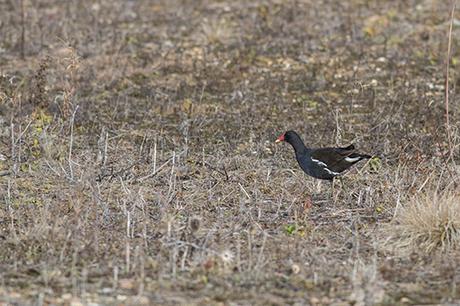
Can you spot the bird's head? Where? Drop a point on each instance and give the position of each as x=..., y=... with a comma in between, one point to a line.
x=286, y=136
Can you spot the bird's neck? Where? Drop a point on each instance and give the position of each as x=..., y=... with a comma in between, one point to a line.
x=298, y=145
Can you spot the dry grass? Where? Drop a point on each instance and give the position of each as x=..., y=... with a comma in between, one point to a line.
x=137, y=163
x=429, y=222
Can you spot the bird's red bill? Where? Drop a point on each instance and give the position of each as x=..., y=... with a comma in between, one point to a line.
x=281, y=138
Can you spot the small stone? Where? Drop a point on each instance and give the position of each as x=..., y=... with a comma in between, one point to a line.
x=314, y=300
x=142, y=300
x=66, y=296
x=126, y=283
x=106, y=290
x=194, y=224
x=405, y=300
x=295, y=269
x=76, y=302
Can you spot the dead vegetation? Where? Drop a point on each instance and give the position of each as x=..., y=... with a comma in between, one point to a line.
x=428, y=223
x=137, y=163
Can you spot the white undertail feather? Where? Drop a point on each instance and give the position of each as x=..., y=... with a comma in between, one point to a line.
x=352, y=159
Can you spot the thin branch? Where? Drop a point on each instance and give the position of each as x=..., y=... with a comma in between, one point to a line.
x=449, y=46
x=23, y=30
x=71, y=142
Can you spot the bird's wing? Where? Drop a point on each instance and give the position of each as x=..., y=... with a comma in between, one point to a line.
x=335, y=159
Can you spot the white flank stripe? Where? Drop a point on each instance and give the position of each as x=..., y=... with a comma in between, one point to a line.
x=352, y=159
x=325, y=167
x=331, y=172
x=319, y=162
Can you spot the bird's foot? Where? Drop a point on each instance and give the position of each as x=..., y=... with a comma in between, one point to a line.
x=307, y=204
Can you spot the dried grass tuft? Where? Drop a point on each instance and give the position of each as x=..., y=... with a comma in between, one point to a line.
x=429, y=223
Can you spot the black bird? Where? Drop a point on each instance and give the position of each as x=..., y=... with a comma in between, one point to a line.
x=322, y=163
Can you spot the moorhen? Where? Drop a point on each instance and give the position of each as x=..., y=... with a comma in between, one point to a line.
x=322, y=163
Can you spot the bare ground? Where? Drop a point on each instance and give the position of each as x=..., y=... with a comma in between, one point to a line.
x=137, y=163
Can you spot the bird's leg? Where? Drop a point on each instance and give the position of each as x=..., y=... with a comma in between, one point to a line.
x=307, y=204
x=318, y=186
x=341, y=184
x=334, y=198
x=335, y=194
